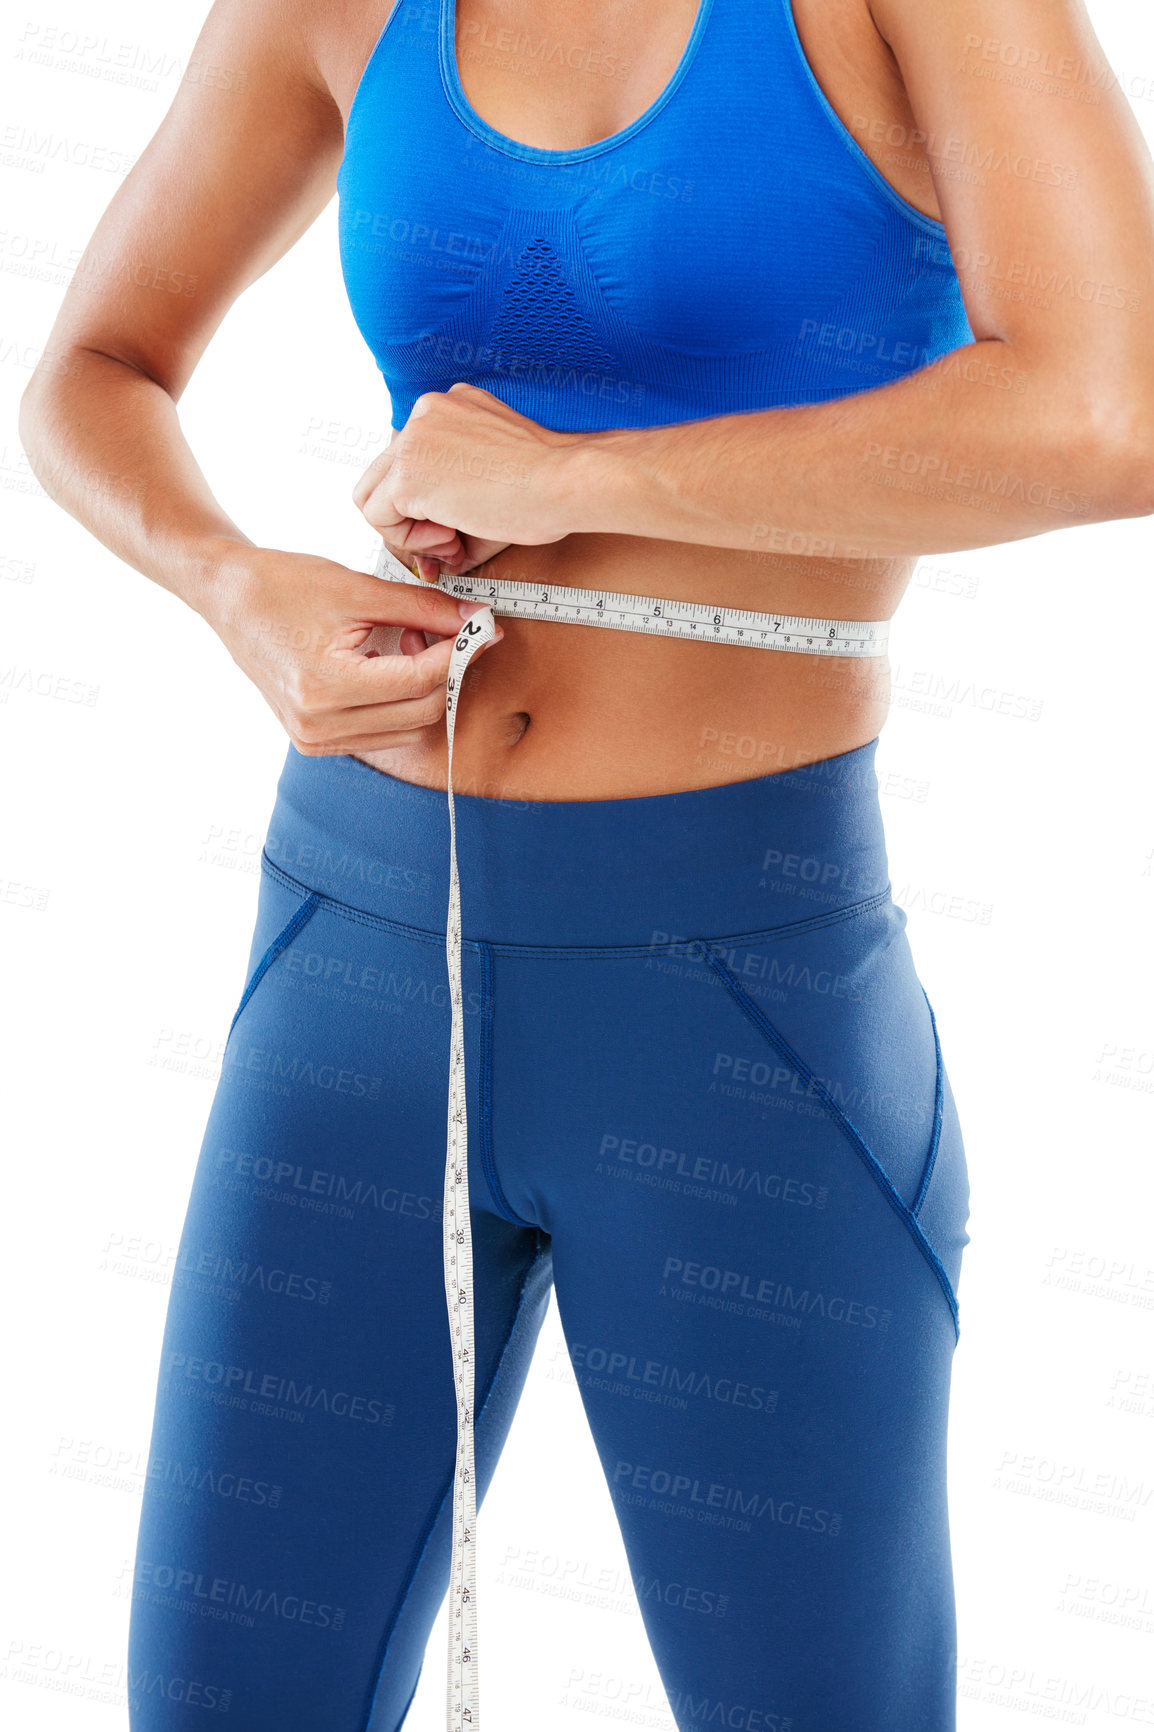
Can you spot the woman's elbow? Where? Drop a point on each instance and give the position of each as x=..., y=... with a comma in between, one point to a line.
x=1117, y=433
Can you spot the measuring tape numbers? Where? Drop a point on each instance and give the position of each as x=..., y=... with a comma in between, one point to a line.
x=685, y=619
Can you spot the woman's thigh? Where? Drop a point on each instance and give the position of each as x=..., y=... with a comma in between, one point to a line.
x=752, y=1170
x=293, y=1547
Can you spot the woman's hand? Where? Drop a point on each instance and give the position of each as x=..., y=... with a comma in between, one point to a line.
x=296, y=624
x=465, y=477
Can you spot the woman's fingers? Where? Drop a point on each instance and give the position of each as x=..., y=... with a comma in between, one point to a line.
x=350, y=681
x=419, y=605
x=418, y=535
x=409, y=704
x=412, y=641
x=382, y=724
x=300, y=627
x=452, y=556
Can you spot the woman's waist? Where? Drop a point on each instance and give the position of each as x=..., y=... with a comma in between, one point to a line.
x=620, y=700
x=571, y=713
x=590, y=710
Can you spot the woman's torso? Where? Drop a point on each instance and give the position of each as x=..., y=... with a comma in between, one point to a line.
x=566, y=712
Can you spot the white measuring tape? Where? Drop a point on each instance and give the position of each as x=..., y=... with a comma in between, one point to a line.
x=692, y=619
x=688, y=619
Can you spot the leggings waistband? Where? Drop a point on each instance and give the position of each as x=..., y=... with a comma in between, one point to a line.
x=791, y=848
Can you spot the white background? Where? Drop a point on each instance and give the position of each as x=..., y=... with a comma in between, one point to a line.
x=128, y=876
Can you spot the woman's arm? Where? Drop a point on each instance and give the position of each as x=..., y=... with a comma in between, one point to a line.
x=239, y=168
x=1058, y=282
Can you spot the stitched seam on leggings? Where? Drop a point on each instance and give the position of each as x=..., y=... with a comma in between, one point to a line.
x=939, y=1092
x=488, y=1162
x=283, y=938
x=577, y=952
x=423, y=1544
x=815, y=1086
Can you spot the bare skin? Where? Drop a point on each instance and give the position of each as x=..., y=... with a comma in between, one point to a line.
x=246, y=159
x=567, y=713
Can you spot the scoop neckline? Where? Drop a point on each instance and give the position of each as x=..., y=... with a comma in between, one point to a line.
x=467, y=114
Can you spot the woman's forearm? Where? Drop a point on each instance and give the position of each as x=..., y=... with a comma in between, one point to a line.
x=105, y=442
x=967, y=452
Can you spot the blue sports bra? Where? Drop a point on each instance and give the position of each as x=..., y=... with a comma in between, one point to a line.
x=733, y=248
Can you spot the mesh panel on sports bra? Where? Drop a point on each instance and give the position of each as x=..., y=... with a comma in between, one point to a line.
x=540, y=321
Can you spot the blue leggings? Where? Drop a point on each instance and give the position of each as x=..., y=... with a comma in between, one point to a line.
x=707, y=1105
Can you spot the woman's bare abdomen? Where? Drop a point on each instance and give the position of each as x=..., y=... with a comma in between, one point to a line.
x=575, y=712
